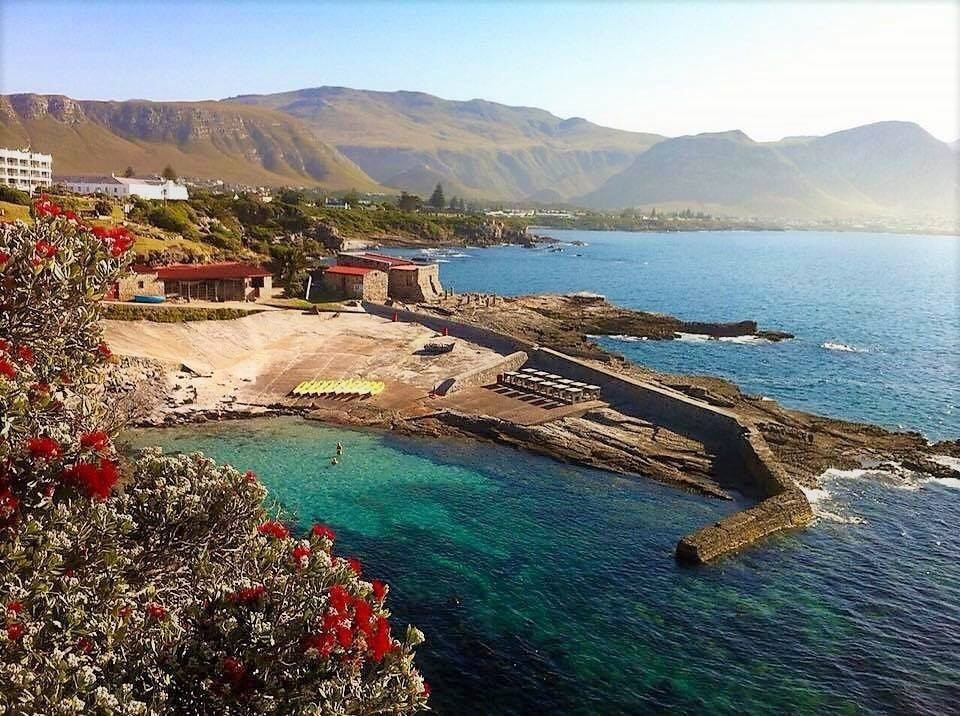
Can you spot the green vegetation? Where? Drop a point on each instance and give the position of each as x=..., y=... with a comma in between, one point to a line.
x=14, y=196
x=170, y=314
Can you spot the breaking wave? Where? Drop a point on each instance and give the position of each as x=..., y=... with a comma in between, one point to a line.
x=703, y=338
x=842, y=347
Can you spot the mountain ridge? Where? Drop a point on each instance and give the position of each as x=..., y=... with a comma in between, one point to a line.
x=343, y=138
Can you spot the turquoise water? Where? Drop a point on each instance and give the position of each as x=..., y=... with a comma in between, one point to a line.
x=545, y=588
x=877, y=316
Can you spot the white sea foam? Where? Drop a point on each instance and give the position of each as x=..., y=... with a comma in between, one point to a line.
x=947, y=461
x=826, y=508
x=842, y=347
x=692, y=337
x=623, y=338
x=745, y=340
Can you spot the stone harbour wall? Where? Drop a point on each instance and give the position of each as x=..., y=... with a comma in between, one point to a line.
x=738, y=442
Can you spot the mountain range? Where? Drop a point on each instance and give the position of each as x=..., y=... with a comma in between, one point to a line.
x=343, y=138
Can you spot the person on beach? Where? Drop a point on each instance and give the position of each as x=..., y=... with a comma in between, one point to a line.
x=339, y=448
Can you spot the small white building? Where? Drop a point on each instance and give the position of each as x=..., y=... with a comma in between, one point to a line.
x=25, y=170
x=128, y=186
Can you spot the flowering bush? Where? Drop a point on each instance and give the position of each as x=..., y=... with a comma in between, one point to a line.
x=159, y=583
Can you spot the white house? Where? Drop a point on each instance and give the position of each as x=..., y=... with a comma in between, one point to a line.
x=25, y=170
x=128, y=186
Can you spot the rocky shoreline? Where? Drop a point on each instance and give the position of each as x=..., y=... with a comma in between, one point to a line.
x=800, y=446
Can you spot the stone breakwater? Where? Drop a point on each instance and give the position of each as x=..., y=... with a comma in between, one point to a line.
x=736, y=442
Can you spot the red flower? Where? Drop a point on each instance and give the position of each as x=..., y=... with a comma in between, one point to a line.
x=323, y=643
x=250, y=476
x=233, y=669
x=43, y=388
x=381, y=644
x=26, y=354
x=7, y=370
x=155, y=611
x=45, y=207
x=274, y=529
x=71, y=216
x=426, y=689
x=362, y=611
x=43, y=448
x=379, y=589
x=104, y=350
x=15, y=631
x=44, y=249
x=98, y=441
x=355, y=565
x=300, y=552
x=339, y=597
x=344, y=637
x=322, y=531
x=97, y=479
x=4, y=257
x=245, y=595
x=84, y=645
x=15, y=606
x=124, y=612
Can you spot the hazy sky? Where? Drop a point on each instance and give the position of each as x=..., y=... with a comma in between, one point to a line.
x=770, y=68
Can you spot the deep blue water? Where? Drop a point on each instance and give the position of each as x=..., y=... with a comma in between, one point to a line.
x=877, y=316
x=550, y=589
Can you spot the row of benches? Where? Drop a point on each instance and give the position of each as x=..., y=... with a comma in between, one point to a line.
x=549, y=385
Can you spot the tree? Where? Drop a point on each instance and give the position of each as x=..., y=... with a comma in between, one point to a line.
x=409, y=202
x=169, y=173
x=128, y=172
x=351, y=198
x=437, y=200
x=153, y=584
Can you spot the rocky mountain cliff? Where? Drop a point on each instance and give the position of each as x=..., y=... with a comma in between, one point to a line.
x=204, y=139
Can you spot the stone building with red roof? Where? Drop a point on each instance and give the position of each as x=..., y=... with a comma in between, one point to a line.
x=225, y=281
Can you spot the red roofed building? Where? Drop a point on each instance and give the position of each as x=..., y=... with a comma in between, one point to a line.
x=407, y=281
x=364, y=283
x=227, y=281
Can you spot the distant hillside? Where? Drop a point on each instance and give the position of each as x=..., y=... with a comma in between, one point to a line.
x=343, y=138
x=888, y=168
x=203, y=139
x=483, y=149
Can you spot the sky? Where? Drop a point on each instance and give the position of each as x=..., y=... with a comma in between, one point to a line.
x=770, y=68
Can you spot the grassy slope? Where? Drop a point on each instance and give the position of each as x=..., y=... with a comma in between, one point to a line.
x=476, y=148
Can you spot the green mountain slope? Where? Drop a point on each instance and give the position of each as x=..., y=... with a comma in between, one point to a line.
x=411, y=140
x=201, y=139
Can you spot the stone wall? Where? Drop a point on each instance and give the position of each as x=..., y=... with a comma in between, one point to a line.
x=139, y=284
x=415, y=284
x=371, y=286
x=484, y=374
x=737, y=442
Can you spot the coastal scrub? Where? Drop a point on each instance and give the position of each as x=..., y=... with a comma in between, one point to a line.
x=158, y=583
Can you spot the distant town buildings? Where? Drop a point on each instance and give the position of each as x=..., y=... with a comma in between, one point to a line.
x=25, y=170
x=127, y=186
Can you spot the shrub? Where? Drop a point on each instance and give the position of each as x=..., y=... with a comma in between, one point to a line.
x=171, y=314
x=159, y=583
x=14, y=196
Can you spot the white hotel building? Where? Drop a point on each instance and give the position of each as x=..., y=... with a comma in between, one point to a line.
x=25, y=170
x=127, y=186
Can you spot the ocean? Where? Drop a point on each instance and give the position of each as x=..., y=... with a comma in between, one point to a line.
x=549, y=588
x=877, y=316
